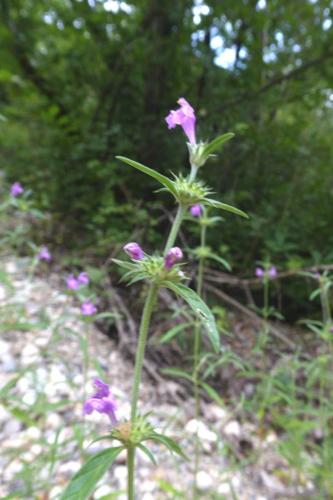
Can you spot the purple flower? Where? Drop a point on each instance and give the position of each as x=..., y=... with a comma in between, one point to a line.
x=83, y=279
x=72, y=282
x=44, y=254
x=196, y=210
x=134, y=251
x=101, y=401
x=260, y=272
x=173, y=255
x=185, y=117
x=272, y=272
x=88, y=308
x=16, y=189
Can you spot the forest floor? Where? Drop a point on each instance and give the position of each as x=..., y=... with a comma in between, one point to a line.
x=43, y=434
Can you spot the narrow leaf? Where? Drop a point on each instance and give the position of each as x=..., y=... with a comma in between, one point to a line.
x=224, y=206
x=215, y=144
x=200, y=309
x=168, y=183
x=170, y=334
x=147, y=452
x=168, y=442
x=83, y=483
x=176, y=372
x=212, y=393
x=220, y=260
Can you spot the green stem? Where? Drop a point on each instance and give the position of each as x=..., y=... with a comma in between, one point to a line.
x=175, y=228
x=140, y=352
x=130, y=472
x=196, y=361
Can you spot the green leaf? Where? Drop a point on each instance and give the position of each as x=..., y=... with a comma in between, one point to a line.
x=147, y=452
x=215, y=144
x=176, y=372
x=170, y=334
x=168, y=442
x=220, y=260
x=168, y=183
x=85, y=480
x=224, y=206
x=124, y=264
x=212, y=393
x=200, y=308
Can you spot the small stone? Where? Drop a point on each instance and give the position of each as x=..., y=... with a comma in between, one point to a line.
x=232, y=428
x=103, y=491
x=204, y=480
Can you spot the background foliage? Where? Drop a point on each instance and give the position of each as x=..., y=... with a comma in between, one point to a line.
x=84, y=80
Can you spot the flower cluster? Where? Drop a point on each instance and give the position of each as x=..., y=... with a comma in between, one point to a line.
x=101, y=401
x=135, y=252
x=74, y=283
x=262, y=273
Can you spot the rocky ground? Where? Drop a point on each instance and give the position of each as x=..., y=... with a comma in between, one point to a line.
x=44, y=436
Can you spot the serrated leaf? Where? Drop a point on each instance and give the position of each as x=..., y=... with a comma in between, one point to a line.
x=224, y=206
x=215, y=144
x=170, y=334
x=83, y=483
x=147, y=452
x=168, y=183
x=200, y=308
x=168, y=442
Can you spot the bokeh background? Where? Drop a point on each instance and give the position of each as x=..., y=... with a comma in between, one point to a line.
x=84, y=80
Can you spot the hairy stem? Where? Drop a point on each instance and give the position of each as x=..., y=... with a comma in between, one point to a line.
x=140, y=352
x=175, y=228
x=196, y=361
x=130, y=472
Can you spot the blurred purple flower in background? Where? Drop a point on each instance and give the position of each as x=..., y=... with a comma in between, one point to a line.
x=173, y=255
x=185, y=117
x=88, y=308
x=196, y=210
x=16, y=189
x=259, y=272
x=72, y=282
x=44, y=254
x=83, y=279
x=102, y=401
x=134, y=251
x=272, y=272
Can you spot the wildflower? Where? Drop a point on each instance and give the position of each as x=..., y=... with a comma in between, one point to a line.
x=272, y=272
x=260, y=272
x=173, y=255
x=134, y=251
x=16, y=189
x=185, y=117
x=72, y=282
x=83, y=279
x=101, y=401
x=88, y=308
x=196, y=210
x=44, y=254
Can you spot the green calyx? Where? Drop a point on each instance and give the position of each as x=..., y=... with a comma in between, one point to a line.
x=151, y=268
x=190, y=192
x=132, y=433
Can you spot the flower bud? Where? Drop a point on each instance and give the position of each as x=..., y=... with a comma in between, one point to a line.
x=196, y=210
x=173, y=255
x=134, y=251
